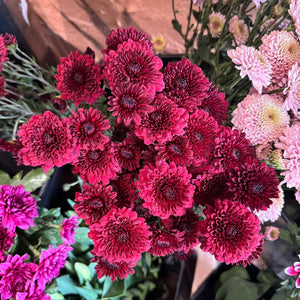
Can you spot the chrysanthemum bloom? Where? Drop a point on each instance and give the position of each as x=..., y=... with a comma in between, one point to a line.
x=166, y=189
x=79, y=78
x=51, y=261
x=186, y=84
x=130, y=102
x=6, y=240
x=115, y=270
x=263, y=151
x=282, y=50
x=133, y=63
x=120, y=236
x=272, y=233
x=215, y=104
x=9, y=39
x=117, y=37
x=14, y=274
x=45, y=142
x=216, y=23
x=253, y=63
x=17, y=207
x=159, y=44
x=163, y=123
x=294, y=12
x=239, y=30
x=87, y=128
x=32, y=291
x=294, y=271
x=2, y=84
x=68, y=229
x=258, y=2
x=201, y=132
x=261, y=117
x=59, y=104
x=3, y=50
x=292, y=101
x=230, y=231
x=254, y=184
x=177, y=150
x=231, y=148
x=97, y=165
x=121, y=132
x=93, y=202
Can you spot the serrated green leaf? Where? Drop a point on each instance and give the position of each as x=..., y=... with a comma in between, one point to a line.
x=4, y=178
x=53, y=212
x=293, y=228
x=236, y=271
x=66, y=285
x=83, y=272
x=177, y=26
x=285, y=235
x=87, y=293
x=113, y=288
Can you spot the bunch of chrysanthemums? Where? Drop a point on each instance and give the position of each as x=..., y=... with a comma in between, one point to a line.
x=161, y=174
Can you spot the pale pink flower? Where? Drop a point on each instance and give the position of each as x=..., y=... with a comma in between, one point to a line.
x=239, y=30
x=216, y=23
x=294, y=12
x=253, y=63
x=271, y=233
x=258, y=2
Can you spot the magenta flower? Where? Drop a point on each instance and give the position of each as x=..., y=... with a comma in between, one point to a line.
x=68, y=229
x=6, y=240
x=294, y=271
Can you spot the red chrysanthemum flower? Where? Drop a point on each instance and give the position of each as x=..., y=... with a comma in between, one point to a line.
x=6, y=240
x=177, y=150
x=185, y=83
x=133, y=63
x=166, y=189
x=79, y=78
x=87, y=128
x=17, y=207
x=2, y=84
x=3, y=50
x=45, y=142
x=115, y=270
x=68, y=229
x=94, y=201
x=163, y=123
x=121, y=35
x=130, y=102
x=121, y=132
x=230, y=231
x=215, y=104
x=59, y=104
x=201, y=132
x=253, y=184
x=120, y=236
x=231, y=148
x=97, y=165
x=9, y=39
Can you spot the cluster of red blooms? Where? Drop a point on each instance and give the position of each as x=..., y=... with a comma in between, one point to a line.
x=166, y=153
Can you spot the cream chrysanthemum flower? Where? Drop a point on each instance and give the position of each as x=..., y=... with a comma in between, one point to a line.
x=261, y=117
x=253, y=63
x=216, y=23
x=239, y=30
x=159, y=43
x=294, y=12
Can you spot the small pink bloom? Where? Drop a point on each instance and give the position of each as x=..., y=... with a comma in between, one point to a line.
x=272, y=233
x=68, y=229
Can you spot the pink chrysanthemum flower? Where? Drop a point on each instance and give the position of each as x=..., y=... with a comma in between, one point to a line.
x=15, y=274
x=3, y=50
x=230, y=231
x=93, y=202
x=2, y=84
x=68, y=229
x=254, y=184
x=120, y=236
x=292, y=101
x=59, y=104
x=272, y=233
x=17, y=207
x=115, y=270
x=253, y=63
x=294, y=12
x=87, y=128
x=294, y=271
x=239, y=30
x=45, y=142
x=166, y=189
x=133, y=63
x=216, y=22
x=258, y=2
x=186, y=84
x=6, y=240
x=79, y=78
x=51, y=261
x=130, y=102
x=282, y=50
x=9, y=39
x=163, y=123
x=32, y=292
x=97, y=165
x=261, y=117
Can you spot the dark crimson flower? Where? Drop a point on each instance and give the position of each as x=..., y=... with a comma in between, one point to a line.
x=120, y=236
x=121, y=131
x=79, y=78
x=15, y=274
x=163, y=123
x=215, y=104
x=45, y=142
x=3, y=51
x=185, y=83
x=166, y=189
x=12, y=146
x=231, y=148
x=59, y=104
x=6, y=240
x=121, y=35
x=2, y=84
x=253, y=184
x=68, y=229
x=130, y=102
x=230, y=231
x=17, y=207
x=9, y=39
x=87, y=128
x=201, y=132
x=97, y=165
x=115, y=270
x=94, y=201
x=133, y=63
x=177, y=150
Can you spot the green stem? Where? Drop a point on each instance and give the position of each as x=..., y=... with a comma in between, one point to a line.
x=188, y=28
x=35, y=252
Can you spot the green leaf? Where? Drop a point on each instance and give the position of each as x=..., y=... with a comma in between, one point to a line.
x=66, y=285
x=280, y=295
x=113, y=288
x=285, y=235
x=56, y=296
x=87, y=293
x=53, y=213
x=177, y=26
x=293, y=228
x=83, y=272
x=269, y=277
x=4, y=178
x=236, y=271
